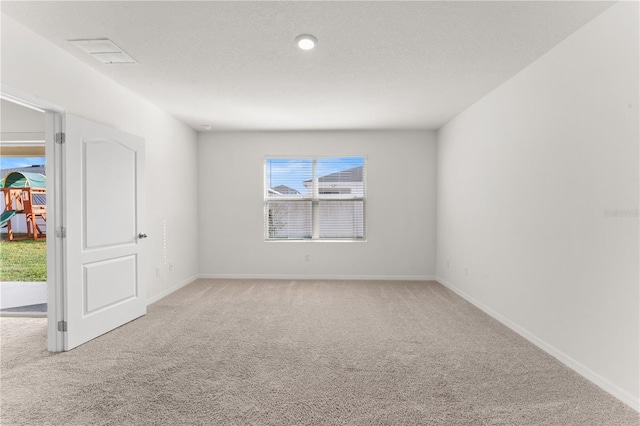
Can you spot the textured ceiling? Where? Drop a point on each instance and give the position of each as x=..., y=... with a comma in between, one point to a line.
x=234, y=65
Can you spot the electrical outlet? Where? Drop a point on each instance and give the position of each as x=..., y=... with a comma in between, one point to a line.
x=171, y=266
x=307, y=258
x=466, y=270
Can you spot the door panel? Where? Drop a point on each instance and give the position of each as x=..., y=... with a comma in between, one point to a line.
x=110, y=192
x=104, y=205
x=108, y=282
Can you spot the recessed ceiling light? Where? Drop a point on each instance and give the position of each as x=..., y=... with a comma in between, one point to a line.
x=206, y=126
x=104, y=50
x=306, y=41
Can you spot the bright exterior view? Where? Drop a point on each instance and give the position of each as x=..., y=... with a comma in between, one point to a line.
x=23, y=227
x=315, y=198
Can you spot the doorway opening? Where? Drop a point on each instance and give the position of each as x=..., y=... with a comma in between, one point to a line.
x=97, y=265
x=23, y=220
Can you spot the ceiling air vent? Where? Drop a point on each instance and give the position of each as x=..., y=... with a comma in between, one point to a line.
x=104, y=50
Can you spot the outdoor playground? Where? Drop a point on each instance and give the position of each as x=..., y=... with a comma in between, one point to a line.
x=23, y=254
x=24, y=195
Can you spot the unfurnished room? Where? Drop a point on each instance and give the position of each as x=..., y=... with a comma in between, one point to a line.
x=320, y=213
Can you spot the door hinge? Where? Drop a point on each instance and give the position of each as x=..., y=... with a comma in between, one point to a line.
x=60, y=137
x=62, y=326
x=61, y=232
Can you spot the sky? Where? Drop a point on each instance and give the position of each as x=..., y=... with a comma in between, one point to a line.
x=13, y=162
x=292, y=172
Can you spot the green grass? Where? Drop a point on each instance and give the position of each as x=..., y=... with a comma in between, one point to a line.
x=24, y=260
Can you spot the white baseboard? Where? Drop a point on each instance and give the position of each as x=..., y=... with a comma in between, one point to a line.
x=154, y=299
x=320, y=277
x=584, y=371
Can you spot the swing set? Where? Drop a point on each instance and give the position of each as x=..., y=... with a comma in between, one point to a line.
x=25, y=194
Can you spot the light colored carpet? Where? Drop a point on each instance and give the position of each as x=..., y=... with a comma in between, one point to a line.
x=222, y=352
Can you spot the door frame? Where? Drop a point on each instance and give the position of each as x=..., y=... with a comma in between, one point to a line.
x=54, y=123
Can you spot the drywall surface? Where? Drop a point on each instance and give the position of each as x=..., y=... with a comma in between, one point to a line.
x=35, y=66
x=400, y=206
x=19, y=123
x=538, y=201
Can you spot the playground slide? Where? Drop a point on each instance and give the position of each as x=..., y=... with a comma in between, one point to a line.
x=6, y=216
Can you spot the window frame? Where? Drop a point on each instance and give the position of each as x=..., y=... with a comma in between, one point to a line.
x=315, y=198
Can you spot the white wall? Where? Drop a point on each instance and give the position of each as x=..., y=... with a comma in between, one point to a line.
x=19, y=123
x=526, y=177
x=35, y=66
x=401, y=172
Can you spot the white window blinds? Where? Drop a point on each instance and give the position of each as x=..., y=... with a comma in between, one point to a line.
x=314, y=198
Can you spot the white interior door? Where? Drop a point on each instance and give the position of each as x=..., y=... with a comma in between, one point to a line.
x=104, y=225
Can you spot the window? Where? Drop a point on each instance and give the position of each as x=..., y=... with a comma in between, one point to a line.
x=314, y=198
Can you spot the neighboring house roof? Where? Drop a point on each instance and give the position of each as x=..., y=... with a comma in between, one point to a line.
x=283, y=189
x=38, y=168
x=349, y=175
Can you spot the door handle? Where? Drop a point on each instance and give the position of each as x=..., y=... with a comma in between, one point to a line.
x=142, y=235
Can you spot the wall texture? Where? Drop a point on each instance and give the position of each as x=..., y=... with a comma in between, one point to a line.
x=538, y=200
x=35, y=66
x=20, y=123
x=401, y=170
